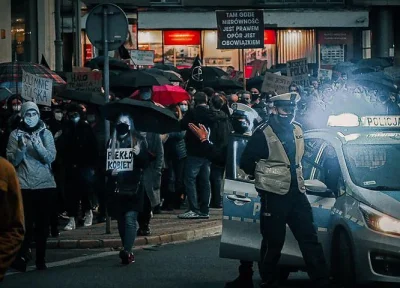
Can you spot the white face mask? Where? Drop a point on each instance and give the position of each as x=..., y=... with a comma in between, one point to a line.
x=58, y=116
x=184, y=108
x=31, y=120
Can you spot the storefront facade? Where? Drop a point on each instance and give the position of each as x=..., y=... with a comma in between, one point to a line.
x=320, y=36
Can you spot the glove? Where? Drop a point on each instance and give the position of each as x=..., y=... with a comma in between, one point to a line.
x=136, y=150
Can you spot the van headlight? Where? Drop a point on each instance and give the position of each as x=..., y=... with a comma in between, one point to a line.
x=380, y=222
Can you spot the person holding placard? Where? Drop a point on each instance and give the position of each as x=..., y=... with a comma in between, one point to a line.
x=31, y=150
x=127, y=156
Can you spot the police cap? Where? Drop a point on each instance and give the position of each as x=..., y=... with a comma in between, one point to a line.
x=287, y=99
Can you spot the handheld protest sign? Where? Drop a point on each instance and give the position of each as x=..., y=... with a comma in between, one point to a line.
x=121, y=160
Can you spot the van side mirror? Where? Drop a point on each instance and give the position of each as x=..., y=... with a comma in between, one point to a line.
x=317, y=188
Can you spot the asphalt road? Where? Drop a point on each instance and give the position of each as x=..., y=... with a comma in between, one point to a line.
x=184, y=265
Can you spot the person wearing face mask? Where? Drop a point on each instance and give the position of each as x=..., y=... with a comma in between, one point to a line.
x=79, y=152
x=246, y=98
x=145, y=93
x=184, y=107
x=259, y=106
x=32, y=151
x=125, y=193
x=280, y=144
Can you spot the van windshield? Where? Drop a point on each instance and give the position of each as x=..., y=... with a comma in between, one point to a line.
x=374, y=166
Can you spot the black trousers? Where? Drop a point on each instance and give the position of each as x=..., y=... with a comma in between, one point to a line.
x=145, y=216
x=38, y=207
x=295, y=210
x=79, y=188
x=217, y=184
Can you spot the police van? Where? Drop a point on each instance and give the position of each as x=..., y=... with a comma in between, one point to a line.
x=353, y=185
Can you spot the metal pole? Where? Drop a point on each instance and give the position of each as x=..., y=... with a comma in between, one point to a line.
x=58, y=42
x=78, y=29
x=106, y=78
x=244, y=69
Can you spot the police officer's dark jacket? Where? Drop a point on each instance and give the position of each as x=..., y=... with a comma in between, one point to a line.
x=273, y=156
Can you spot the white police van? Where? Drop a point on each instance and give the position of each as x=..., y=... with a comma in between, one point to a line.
x=353, y=184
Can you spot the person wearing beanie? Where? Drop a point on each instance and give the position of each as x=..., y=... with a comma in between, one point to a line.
x=31, y=150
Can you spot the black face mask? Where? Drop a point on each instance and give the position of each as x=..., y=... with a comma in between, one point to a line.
x=240, y=127
x=122, y=128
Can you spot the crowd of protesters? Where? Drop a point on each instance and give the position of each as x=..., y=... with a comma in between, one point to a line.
x=59, y=154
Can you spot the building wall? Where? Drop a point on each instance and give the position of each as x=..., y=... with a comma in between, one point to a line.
x=5, y=23
x=46, y=31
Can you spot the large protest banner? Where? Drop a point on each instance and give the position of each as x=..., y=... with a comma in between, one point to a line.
x=85, y=81
x=122, y=160
x=298, y=70
x=277, y=83
x=240, y=29
x=36, y=89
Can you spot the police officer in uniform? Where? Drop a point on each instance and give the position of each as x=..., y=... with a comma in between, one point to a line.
x=273, y=156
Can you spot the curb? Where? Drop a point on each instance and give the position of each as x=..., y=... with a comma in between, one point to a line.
x=141, y=241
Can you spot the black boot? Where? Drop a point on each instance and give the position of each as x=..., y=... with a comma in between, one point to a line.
x=240, y=282
x=144, y=231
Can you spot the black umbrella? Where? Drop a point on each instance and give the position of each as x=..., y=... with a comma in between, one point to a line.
x=115, y=64
x=166, y=67
x=255, y=82
x=5, y=93
x=377, y=77
x=136, y=79
x=223, y=84
x=376, y=86
x=83, y=96
x=169, y=75
x=363, y=70
x=146, y=116
x=375, y=62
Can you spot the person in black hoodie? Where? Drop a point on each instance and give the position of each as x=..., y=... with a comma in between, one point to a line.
x=79, y=152
x=10, y=120
x=220, y=129
x=197, y=164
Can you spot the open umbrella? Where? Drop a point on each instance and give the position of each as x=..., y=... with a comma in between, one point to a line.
x=136, y=79
x=170, y=75
x=376, y=86
x=168, y=95
x=374, y=62
x=11, y=75
x=255, y=82
x=5, y=93
x=166, y=67
x=114, y=64
x=83, y=96
x=146, y=116
x=223, y=84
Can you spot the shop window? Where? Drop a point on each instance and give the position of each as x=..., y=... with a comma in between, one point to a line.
x=151, y=40
x=296, y=44
x=217, y=57
x=265, y=54
x=181, y=47
x=366, y=43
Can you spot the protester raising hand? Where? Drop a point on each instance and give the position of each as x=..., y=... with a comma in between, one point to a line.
x=200, y=131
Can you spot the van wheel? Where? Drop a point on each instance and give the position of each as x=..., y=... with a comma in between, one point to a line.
x=284, y=273
x=343, y=269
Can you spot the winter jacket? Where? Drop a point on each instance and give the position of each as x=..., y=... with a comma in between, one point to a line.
x=11, y=216
x=118, y=203
x=78, y=146
x=200, y=114
x=175, y=146
x=33, y=164
x=152, y=174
